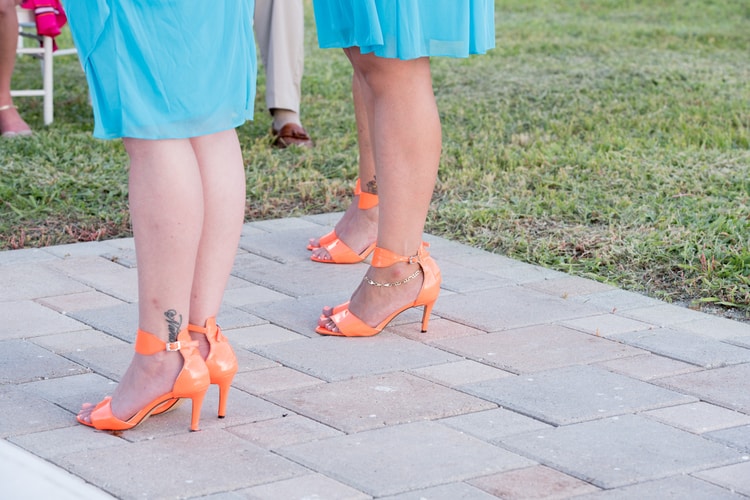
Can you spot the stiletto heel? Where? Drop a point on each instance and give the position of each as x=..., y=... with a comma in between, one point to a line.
x=192, y=382
x=338, y=251
x=221, y=361
x=426, y=316
x=224, y=386
x=349, y=325
x=195, y=416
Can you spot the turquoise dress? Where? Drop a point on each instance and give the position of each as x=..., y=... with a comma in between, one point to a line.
x=407, y=29
x=166, y=69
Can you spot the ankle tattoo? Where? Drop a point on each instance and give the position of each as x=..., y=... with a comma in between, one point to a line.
x=174, y=323
x=372, y=186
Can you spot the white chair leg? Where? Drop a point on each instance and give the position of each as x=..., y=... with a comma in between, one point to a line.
x=48, y=85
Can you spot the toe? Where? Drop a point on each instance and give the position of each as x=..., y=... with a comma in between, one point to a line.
x=84, y=416
x=324, y=255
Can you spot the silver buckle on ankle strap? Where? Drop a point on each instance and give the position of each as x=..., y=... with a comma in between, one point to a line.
x=173, y=346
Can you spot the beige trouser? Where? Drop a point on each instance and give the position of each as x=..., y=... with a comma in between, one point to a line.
x=279, y=31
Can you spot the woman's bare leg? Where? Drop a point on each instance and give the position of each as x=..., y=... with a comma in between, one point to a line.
x=166, y=207
x=10, y=120
x=406, y=162
x=223, y=181
x=358, y=228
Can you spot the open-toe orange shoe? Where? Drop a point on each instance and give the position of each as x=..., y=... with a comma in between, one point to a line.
x=221, y=362
x=192, y=382
x=340, y=252
x=349, y=325
x=345, y=305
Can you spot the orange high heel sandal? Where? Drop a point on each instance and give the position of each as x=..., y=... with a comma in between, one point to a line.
x=340, y=252
x=341, y=307
x=192, y=382
x=221, y=361
x=349, y=325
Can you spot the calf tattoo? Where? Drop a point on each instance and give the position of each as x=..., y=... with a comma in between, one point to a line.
x=174, y=323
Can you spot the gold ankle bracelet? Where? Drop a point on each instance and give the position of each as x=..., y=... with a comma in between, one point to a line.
x=395, y=283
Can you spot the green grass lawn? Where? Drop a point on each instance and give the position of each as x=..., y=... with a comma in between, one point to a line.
x=608, y=139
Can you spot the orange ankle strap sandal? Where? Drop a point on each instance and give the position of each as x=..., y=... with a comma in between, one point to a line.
x=339, y=251
x=349, y=325
x=341, y=307
x=192, y=382
x=221, y=361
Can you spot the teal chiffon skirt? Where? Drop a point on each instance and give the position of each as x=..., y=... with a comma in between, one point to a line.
x=166, y=69
x=407, y=29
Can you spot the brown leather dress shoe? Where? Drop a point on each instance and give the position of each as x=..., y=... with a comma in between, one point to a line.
x=290, y=134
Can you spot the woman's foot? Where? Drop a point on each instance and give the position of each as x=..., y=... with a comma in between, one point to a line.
x=147, y=378
x=358, y=229
x=372, y=304
x=11, y=123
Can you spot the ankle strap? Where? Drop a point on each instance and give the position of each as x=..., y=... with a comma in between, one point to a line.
x=366, y=200
x=382, y=257
x=205, y=330
x=212, y=330
x=148, y=343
